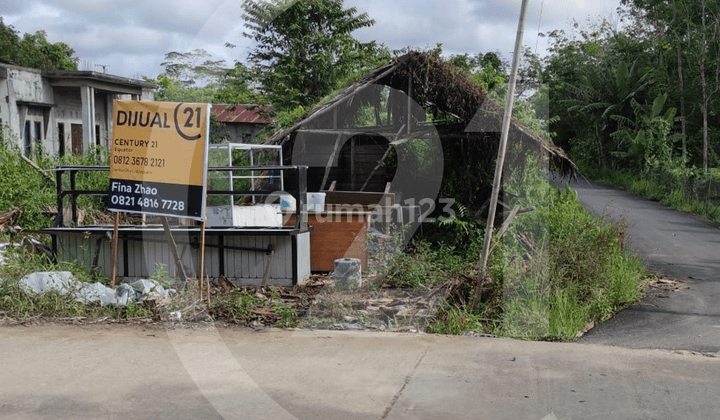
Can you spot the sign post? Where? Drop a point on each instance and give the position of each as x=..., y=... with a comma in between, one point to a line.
x=158, y=161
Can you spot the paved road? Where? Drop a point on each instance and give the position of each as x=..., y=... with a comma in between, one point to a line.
x=677, y=245
x=100, y=372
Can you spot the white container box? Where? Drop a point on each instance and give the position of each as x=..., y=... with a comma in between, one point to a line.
x=315, y=201
x=258, y=215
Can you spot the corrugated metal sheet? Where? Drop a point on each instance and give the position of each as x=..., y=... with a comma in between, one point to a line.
x=248, y=114
x=243, y=266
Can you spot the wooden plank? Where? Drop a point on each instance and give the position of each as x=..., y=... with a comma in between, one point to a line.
x=330, y=162
x=268, y=267
x=174, y=250
x=336, y=236
x=381, y=162
x=507, y=222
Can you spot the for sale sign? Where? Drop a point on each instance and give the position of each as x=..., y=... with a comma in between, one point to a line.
x=158, y=158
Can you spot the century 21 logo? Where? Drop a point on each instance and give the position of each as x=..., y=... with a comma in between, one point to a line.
x=188, y=120
x=193, y=120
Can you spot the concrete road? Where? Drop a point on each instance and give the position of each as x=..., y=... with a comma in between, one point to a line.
x=115, y=372
x=678, y=245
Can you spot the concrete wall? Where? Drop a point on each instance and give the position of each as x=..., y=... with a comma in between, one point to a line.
x=28, y=87
x=27, y=96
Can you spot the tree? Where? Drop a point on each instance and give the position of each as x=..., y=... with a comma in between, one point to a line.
x=193, y=68
x=304, y=48
x=690, y=29
x=196, y=77
x=34, y=50
x=487, y=70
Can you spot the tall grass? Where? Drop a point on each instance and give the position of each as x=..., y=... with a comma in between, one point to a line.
x=555, y=269
x=23, y=188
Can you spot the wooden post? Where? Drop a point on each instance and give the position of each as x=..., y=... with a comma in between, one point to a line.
x=116, y=229
x=268, y=266
x=201, y=277
x=330, y=161
x=409, y=105
x=173, y=248
x=381, y=162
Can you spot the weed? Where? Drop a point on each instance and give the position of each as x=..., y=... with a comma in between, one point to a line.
x=161, y=274
x=454, y=321
x=240, y=307
x=25, y=189
x=575, y=271
x=288, y=316
x=19, y=262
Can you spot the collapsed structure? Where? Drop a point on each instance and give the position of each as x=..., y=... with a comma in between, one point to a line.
x=417, y=104
x=383, y=151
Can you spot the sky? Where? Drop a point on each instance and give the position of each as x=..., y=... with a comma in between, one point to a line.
x=130, y=38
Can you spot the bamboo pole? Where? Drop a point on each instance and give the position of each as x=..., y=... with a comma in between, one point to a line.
x=507, y=119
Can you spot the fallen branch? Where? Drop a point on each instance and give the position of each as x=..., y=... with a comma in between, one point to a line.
x=39, y=169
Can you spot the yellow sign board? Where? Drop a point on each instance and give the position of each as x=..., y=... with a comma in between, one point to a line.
x=158, y=158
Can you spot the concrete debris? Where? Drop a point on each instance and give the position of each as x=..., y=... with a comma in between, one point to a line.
x=347, y=326
x=44, y=282
x=151, y=290
x=93, y=293
x=125, y=294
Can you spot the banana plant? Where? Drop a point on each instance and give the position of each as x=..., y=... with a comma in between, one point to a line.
x=646, y=139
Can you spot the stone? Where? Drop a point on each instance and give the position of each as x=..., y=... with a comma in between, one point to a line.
x=43, y=282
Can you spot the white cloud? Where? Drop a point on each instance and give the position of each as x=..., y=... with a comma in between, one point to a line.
x=133, y=36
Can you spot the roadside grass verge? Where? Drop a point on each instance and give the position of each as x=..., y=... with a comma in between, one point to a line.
x=241, y=307
x=238, y=306
x=556, y=270
x=685, y=189
x=18, y=305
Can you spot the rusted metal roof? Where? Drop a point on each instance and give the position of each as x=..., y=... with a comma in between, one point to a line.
x=245, y=114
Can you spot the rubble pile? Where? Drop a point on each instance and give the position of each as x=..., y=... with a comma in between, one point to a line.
x=65, y=283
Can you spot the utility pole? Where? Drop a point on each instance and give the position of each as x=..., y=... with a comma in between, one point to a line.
x=507, y=119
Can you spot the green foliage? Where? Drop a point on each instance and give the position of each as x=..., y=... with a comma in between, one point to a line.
x=688, y=189
x=172, y=89
x=454, y=321
x=576, y=272
x=606, y=81
x=24, y=189
x=487, y=70
x=446, y=250
x=304, y=48
x=34, y=50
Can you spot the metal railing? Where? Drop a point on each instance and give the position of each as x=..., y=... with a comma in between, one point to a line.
x=299, y=191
